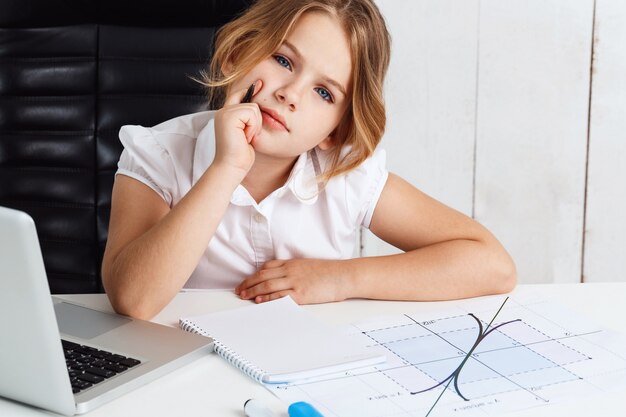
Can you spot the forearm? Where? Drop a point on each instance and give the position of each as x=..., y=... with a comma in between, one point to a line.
x=149, y=271
x=447, y=270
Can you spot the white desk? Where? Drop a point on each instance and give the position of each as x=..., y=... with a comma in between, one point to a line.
x=211, y=387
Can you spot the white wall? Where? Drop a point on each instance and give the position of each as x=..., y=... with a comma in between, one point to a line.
x=488, y=111
x=605, y=233
x=431, y=100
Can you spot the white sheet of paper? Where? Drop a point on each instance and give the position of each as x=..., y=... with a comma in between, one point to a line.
x=546, y=353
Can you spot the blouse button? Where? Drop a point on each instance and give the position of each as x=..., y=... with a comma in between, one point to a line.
x=258, y=217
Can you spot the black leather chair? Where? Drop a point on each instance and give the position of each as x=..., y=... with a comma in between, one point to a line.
x=71, y=73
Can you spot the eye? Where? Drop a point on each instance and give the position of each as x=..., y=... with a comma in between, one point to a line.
x=282, y=61
x=325, y=94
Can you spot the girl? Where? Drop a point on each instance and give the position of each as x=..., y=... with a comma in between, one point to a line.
x=266, y=197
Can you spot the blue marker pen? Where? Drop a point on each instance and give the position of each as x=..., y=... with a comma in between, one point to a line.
x=302, y=409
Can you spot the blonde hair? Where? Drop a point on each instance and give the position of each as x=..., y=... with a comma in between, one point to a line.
x=260, y=31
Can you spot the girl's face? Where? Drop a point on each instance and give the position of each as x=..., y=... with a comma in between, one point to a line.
x=305, y=87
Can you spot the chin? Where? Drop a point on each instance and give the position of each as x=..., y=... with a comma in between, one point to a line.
x=273, y=152
x=265, y=144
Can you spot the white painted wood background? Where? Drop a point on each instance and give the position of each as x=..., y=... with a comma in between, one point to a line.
x=605, y=231
x=492, y=109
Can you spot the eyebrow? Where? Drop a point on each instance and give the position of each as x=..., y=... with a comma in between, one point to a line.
x=325, y=78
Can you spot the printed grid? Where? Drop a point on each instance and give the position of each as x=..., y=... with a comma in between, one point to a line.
x=447, y=341
x=425, y=353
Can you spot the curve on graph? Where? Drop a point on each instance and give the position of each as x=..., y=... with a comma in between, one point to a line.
x=454, y=376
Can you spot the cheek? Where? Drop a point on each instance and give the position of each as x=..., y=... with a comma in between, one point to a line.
x=265, y=70
x=329, y=117
x=320, y=126
x=259, y=72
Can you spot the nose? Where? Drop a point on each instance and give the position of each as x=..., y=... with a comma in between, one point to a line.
x=290, y=95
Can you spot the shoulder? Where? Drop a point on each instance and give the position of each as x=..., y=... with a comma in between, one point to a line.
x=370, y=172
x=361, y=187
x=162, y=156
x=186, y=126
x=374, y=166
x=172, y=141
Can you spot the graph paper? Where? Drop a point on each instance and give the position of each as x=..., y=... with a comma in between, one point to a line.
x=484, y=357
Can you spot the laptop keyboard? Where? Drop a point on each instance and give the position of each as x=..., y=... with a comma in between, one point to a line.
x=88, y=366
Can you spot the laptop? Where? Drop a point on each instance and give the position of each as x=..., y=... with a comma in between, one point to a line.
x=65, y=357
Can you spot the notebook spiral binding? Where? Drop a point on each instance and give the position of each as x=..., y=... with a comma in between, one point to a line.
x=230, y=356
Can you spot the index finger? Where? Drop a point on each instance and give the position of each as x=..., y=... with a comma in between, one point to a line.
x=243, y=95
x=248, y=96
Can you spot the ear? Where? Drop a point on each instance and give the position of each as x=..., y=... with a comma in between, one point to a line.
x=327, y=143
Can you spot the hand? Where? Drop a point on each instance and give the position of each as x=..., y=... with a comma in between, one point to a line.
x=307, y=281
x=236, y=124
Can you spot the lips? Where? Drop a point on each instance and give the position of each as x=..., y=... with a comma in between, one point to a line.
x=273, y=119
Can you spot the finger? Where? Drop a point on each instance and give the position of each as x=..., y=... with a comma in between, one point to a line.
x=248, y=97
x=258, y=84
x=273, y=296
x=262, y=274
x=243, y=290
x=253, y=129
x=266, y=287
x=269, y=270
x=236, y=97
x=274, y=263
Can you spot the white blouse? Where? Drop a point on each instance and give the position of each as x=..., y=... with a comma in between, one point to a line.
x=295, y=221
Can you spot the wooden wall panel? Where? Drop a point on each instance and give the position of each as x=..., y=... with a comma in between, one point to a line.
x=431, y=100
x=605, y=241
x=533, y=95
x=488, y=105
x=489, y=112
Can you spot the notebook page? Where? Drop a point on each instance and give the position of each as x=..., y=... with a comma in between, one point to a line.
x=285, y=340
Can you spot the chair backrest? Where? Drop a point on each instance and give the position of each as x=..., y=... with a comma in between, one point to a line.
x=72, y=72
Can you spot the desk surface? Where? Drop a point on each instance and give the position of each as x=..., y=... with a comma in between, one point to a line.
x=212, y=387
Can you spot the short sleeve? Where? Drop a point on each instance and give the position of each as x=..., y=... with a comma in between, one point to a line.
x=146, y=160
x=364, y=186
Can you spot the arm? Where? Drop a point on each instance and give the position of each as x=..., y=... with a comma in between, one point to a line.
x=152, y=250
x=447, y=256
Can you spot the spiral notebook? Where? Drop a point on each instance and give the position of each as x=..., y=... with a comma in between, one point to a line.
x=279, y=342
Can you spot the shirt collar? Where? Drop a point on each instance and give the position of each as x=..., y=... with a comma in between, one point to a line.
x=303, y=181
